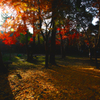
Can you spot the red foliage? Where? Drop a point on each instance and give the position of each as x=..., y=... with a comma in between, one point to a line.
x=87, y=42
x=9, y=41
x=81, y=35
x=24, y=33
x=21, y=44
x=10, y=38
x=57, y=42
x=73, y=36
x=62, y=32
x=58, y=29
x=17, y=34
x=63, y=37
x=31, y=39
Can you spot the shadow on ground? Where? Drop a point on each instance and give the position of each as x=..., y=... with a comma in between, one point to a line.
x=68, y=80
x=5, y=89
x=78, y=61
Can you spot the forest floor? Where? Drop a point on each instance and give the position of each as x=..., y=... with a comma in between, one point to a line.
x=73, y=78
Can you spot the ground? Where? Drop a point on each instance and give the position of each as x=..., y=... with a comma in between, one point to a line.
x=73, y=78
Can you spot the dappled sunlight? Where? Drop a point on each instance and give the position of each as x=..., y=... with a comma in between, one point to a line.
x=74, y=83
x=91, y=69
x=21, y=61
x=50, y=50
x=76, y=62
x=76, y=57
x=33, y=85
x=71, y=79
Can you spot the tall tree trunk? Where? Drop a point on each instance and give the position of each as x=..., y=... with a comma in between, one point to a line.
x=10, y=50
x=39, y=43
x=97, y=42
x=3, y=69
x=40, y=24
x=96, y=61
x=47, y=54
x=52, y=52
x=62, y=47
x=46, y=49
x=1, y=61
x=53, y=35
x=99, y=24
x=90, y=53
x=45, y=39
x=34, y=50
x=27, y=48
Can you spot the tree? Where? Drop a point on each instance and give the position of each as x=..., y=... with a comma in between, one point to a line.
x=34, y=13
x=62, y=36
x=59, y=9
x=83, y=13
x=24, y=9
x=13, y=24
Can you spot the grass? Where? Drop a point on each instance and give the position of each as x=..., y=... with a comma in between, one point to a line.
x=73, y=78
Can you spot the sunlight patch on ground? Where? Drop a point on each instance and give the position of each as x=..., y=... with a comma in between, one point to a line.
x=92, y=69
x=70, y=79
x=33, y=85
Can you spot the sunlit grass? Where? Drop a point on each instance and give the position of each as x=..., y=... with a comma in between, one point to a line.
x=69, y=61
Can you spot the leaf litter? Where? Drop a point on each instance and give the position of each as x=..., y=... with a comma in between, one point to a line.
x=54, y=83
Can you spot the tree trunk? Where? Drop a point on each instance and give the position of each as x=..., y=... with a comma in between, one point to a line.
x=62, y=48
x=10, y=49
x=34, y=46
x=1, y=62
x=39, y=43
x=90, y=54
x=47, y=54
x=53, y=35
x=98, y=42
x=3, y=69
x=27, y=48
x=40, y=24
x=33, y=50
x=52, y=52
x=96, y=61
